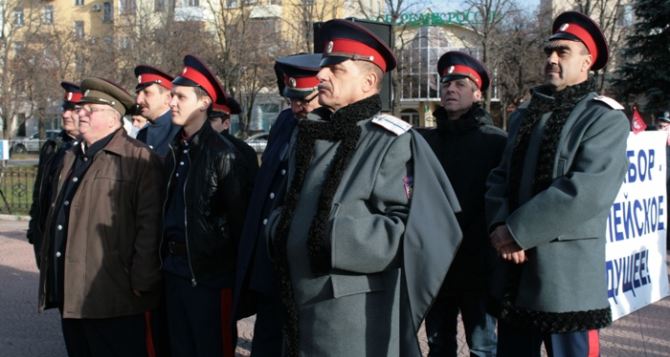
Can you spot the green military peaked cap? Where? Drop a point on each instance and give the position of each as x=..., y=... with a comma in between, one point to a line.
x=101, y=91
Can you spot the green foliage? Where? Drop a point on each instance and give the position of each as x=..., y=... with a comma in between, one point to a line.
x=646, y=66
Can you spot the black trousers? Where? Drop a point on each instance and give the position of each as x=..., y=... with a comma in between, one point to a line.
x=521, y=342
x=268, y=337
x=199, y=319
x=112, y=337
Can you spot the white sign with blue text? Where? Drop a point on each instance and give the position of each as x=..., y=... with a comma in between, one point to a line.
x=636, y=228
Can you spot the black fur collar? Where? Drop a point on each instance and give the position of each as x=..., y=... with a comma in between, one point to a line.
x=543, y=100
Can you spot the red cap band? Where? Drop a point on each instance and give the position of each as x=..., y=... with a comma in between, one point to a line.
x=192, y=74
x=301, y=83
x=465, y=71
x=74, y=97
x=221, y=108
x=582, y=35
x=348, y=48
x=154, y=78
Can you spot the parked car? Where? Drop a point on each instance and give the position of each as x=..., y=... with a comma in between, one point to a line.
x=258, y=141
x=32, y=143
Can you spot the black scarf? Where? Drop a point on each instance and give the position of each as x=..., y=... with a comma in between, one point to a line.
x=475, y=117
x=544, y=100
x=341, y=127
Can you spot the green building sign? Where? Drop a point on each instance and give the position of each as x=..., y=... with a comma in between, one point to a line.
x=462, y=18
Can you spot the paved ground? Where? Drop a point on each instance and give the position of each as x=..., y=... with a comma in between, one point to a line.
x=23, y=332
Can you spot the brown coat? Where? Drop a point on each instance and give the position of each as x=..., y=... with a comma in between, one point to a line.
x=113, y=233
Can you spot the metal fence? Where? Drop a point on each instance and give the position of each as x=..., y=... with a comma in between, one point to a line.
x=16, y=188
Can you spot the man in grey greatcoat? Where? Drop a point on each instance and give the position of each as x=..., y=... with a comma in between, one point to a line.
x=367, y=230
x=548, y=202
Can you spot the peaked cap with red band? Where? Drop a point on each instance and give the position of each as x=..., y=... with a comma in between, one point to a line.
x=197, y=74
x=73, y=94
x=344, y=40
x=455, y=65
x=147, y=75
x=575, y=26
x=229, y=107
x=296, y=74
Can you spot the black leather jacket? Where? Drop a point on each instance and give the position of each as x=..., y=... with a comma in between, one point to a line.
x=50, y=160
x=217, y=193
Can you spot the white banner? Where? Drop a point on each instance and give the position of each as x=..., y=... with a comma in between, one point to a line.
x=4, y=149
x=636, y=228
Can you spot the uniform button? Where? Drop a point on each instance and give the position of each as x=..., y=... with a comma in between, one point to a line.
x=53, y=205
x=185, y=151
x=75, y=179
x=66, y=203
x=265, y=221
x=283, y=172
x=181, y=163
x=85, y=159
x=177, y=174
x=58, y=254
x=151, y=147
x=272, y=195
x=59, y=227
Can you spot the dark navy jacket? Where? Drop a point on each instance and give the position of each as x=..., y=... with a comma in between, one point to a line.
x=159, y=134
x=254, y=269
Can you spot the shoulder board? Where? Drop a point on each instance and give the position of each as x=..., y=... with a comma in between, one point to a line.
x=395, y=125
x=609, y=101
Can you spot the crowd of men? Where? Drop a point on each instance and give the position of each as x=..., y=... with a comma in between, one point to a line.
x=355, y=229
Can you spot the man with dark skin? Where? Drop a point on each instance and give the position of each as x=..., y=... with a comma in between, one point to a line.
x=548, y=202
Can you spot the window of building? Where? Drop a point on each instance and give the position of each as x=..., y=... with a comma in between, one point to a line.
x=419, y=79
x=308, y=2
x=18, y=48
x=411, y=116
x=126, y=7
x=126, y=43
x=192, y=3
x=79, y=29
x=159, y=5
x=48, y=14
x=19, y=20
x=249, y=2
x=231, y=3
x=107, y=12
x=275, y=2
x=79, y=2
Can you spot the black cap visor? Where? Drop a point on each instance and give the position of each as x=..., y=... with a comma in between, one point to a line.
x=331, y=60
x=564, y=36
x=297, y=93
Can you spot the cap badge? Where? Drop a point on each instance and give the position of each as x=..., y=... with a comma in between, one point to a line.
x=69, y=96
x=329, y=47
x=564, y=27
x=86, y=93
x=185, y=70
x=292, y=82
x=450, y=70
x=139, y=79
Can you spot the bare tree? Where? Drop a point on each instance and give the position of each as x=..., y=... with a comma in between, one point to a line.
x=19, y=21
x=609, y=14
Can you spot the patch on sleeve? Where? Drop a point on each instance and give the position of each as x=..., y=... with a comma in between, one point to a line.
x=392, y=124
x=609, y=101
x=408, y=183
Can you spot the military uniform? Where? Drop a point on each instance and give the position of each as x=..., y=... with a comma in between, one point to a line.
x=160, y=132
x=50, y=159
x=562, y=168
x=256, y=284
x=367, y=231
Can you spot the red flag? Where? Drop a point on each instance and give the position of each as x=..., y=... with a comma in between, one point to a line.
x=637, y=122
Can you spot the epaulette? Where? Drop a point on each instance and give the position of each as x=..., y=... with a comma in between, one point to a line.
x=395, y=125
x=609, y=101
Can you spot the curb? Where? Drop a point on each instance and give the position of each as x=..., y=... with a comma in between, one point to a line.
x=13, y=217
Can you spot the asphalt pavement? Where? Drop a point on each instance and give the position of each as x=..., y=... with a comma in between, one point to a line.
x=24, y=332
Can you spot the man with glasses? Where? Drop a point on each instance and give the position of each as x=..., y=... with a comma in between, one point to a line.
x=100, y=265
x=51, y=156
x=256, y=286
